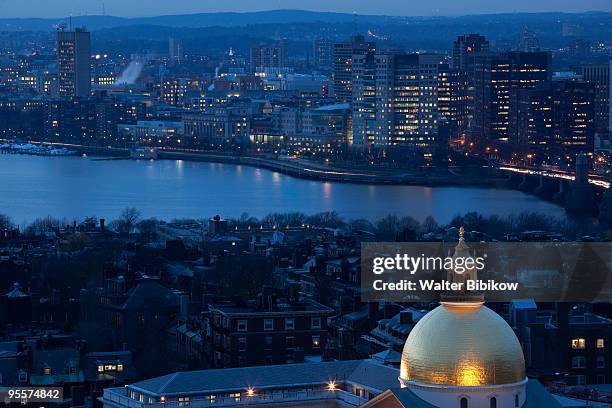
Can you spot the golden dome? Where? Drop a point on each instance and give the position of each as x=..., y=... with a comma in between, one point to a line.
x=462, y=345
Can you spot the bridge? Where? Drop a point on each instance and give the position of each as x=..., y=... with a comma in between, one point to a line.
x=580, y=191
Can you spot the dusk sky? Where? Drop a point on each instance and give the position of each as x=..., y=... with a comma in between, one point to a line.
x=61, y=8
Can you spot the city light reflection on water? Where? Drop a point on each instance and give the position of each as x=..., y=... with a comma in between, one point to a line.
x=73, y=187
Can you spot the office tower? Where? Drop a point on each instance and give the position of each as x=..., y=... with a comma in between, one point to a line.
x=465, y=47
x=175, y=91
x=343, y=65
x=363, y=98
x=498, y=78
x=73, y=63
x=529, y=41
x=599, y=76
x=175, y=49
x=268, y=56
x=323, y=51
x=406, y=99
x=453, y=99
x=555, y=119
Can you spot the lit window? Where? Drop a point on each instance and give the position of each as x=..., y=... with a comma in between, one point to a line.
x=47, y=371
x=100, y=368
x=316, y=342
x=600, y=343
x=119, y=367
x=578, y=343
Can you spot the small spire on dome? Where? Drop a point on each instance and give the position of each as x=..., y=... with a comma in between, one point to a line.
x=461, y=233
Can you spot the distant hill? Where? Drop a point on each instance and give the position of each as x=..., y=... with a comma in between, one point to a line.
x=193, y=20
x=202, y=20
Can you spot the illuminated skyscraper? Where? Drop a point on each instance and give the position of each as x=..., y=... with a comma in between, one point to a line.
x=74, y=63
x=343, y=65
x=364, y=98
x=453, y=99
x=498, y=79
x=599, y=76
x=406, y=99
x=555, y=119
x=465, y=48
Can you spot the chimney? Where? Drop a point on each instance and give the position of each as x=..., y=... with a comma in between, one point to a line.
x=102, y=222
x=406, y=317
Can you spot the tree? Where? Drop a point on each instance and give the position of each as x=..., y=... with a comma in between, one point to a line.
x=76, y=242
x=6, y=223
x=244, y=221
x=429, y=225
x=362, y=225
x=387, y=227
x=127, y=220
x=281, y=220
x=43, y=225
x=328, y=219
x=148, y=229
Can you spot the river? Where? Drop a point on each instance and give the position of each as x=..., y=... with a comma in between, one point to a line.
x=76, y=187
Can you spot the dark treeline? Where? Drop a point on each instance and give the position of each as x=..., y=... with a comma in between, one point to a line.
x=131, y=221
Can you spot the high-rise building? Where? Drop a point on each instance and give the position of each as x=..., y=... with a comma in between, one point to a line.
x=175, y=49
x=555, y=119
x=465, y=48
x=176, y=91
x=323, y=51
x=72, y=121
x=453, y=99
x=268, y=56
x=406, y=99
x=599, y=76
x=529, y=41
x=74, y=63
x=498, y=79
x=363, y=98
x=343, y=65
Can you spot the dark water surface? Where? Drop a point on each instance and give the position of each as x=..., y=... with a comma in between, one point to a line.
x=75, y=187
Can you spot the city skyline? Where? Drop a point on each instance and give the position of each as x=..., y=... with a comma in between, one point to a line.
x=64, y=8
x=195, y=208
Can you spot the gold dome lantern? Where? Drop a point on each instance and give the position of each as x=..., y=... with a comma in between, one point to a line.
x=462, y=344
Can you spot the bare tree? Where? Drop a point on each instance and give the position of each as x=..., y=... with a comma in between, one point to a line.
x=429, y=225
x=127, y=220
x=6, y=222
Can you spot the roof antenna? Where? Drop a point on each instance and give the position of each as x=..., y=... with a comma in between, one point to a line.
x=70, y=24
x=354, y=22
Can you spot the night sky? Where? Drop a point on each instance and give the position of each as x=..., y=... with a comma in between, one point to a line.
x=129, y=8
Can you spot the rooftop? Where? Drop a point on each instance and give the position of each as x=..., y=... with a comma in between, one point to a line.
x=367, y=373
x=305, y=305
